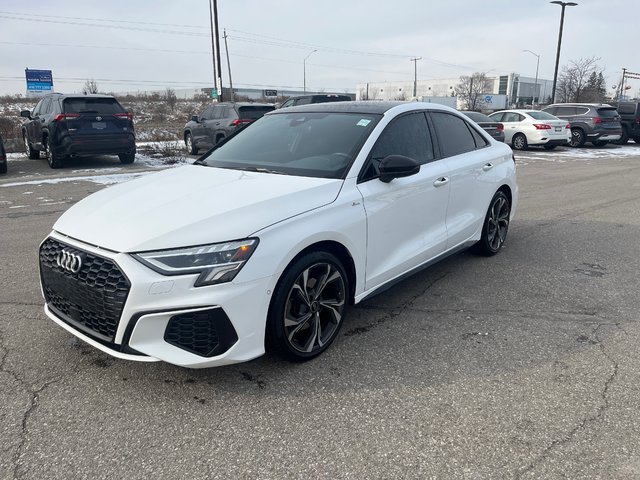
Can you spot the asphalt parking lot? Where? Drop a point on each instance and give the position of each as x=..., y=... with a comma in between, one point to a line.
x=525, y=365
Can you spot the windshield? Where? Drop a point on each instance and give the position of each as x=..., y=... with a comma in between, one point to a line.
x=537, y=115
x=306, y=144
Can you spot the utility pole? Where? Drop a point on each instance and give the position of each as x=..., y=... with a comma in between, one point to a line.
x=415, y=74
x=624, y=74
x=217, y=35
x=535, y=87
x=304, y=72
x=555, y=74
x=213, y=54
x=226, y=49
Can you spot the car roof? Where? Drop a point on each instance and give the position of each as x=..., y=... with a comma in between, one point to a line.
x=82, y=95
x=364, y=107
x=580, y=105
x=244, y=104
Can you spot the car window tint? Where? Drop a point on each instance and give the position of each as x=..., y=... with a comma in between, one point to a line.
x=46, y=106
x=407, y=135
x=288, y=103
x=478, y=117
x=36, y=111
x=566, y=111
x=497, y=117
x=303, y=101
x=479, y=139
x=207, y=114
x=453, y=134
x=254, y=112
x=607, y=112
x=535, y=114
x=510, y=117
x=627, y=108
x=104, y=106
x=551, y=110
x=217, y=111
x=581, y=110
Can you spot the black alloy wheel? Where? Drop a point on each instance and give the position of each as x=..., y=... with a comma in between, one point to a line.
x=577, y=137
x=308, y=307
x=54, y=160
x=126, y=158
x=496, y=225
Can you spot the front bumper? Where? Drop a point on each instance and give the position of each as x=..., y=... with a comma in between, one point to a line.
x=145, y=331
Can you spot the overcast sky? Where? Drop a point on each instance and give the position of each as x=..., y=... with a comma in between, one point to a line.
x=153, y=44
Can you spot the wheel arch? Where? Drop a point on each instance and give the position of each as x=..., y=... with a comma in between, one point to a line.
x=506, y=189
x=185, y=133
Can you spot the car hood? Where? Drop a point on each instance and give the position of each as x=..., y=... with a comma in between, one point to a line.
x=191, y=205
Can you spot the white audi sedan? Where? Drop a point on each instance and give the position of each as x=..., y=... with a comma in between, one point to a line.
x=524, y=128
x=267, y=239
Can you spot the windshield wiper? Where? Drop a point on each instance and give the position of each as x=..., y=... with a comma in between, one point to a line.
x=260, y=170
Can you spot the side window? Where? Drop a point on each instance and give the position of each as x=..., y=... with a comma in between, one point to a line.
x=46, y=106
x=226, y=112
x=453, y=134
x=551, y=110
x=217, y=112
x=288, y=103
x=510, y=117
x=581, y=111
x=38, y=109
x=519, y=117
x=479, y=139
x=407, y=135
x=303, y=101
x=207, y=114
x=566, y=111
x=497, y=117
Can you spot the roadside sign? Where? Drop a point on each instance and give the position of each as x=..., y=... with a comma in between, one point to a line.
x=270, y=93
x=39, y=82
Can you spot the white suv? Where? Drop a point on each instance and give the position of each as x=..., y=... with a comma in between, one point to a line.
x=267, y=239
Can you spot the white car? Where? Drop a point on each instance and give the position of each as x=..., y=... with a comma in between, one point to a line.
x=267, y=239
x=524, y=128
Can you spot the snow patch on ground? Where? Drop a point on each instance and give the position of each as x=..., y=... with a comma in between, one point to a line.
x=563, y=155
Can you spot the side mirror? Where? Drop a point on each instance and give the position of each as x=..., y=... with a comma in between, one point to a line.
x=397, y=166
x=195, y=118
x=25, y=114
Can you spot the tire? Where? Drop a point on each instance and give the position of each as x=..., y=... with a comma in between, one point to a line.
x=32, y=153
x=519, y=142
x=3, y=168
x=191, y=148
x=127, y=158
x=577, y=137
x=495, y=227
x=550, y=147
x=636, y=139
x=303, y=321
x=600, y=143
x=54, y=160
x=624, y=139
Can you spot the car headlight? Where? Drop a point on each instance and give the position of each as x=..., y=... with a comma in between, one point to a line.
x=216, y=263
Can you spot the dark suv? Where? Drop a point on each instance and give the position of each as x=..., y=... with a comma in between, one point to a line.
x=219, y=121
x=70, y=125
x=597, y=123
x=630, y=117
x=307, y=99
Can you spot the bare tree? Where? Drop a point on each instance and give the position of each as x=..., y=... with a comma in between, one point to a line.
x=170, y=98
x=580, y=81
x=471, y=88
x=90, y=86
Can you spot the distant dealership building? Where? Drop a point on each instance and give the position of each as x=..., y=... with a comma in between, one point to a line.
x=512, y=90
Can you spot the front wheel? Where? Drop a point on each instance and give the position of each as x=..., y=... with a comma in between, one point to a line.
x=191, y=148
x=519, y=142
x=32, y=153
x=624, y=138
x=496, y=226
x=308, y=307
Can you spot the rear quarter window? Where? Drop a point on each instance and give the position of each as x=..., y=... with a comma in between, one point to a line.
x=105, y=106
x=627, y=108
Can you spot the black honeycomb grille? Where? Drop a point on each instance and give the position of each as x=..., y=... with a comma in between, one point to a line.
x=206, y=333
x=93, y=298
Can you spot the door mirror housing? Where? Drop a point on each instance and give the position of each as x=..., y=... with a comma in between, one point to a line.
x=397, y=166
x=195, y=118
x=25, y=114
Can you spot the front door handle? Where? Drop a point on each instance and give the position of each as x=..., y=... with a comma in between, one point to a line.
x=441, y=181
x=487, y=167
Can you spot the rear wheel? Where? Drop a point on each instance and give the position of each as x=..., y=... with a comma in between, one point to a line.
x=308, y=307
x=191, y=148
x=600, y=143
x=3, y=168
x=496, y=226
x=549, y=147
x=128, y=157
x=636, y=139
x=624, y=138
x=219, y=138
x=577, y=137
x=519, y=142
x=32, y=153
x=53, y=159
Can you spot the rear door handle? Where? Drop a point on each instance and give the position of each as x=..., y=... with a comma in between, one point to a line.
x=487, y=167
x=441, y=181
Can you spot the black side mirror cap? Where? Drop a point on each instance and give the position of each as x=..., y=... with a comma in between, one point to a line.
x=397, y=166
x=195, y=118
x=25, y=114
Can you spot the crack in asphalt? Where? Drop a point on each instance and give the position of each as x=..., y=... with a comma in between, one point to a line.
x=404, y=307
x=599, y=414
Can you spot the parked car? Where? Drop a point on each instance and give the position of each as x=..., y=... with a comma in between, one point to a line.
x=218, y=121
x=267, y=239
x=3, y=157
x=630, y=119
x=320, y=98
x=597, y=123
x=72, y=125
x=493, y=128
x=524, y=128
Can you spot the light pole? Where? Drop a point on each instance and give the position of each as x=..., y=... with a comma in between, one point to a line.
x=304, y=71
x=535, y=88
x=415, y=74
x=555, y=73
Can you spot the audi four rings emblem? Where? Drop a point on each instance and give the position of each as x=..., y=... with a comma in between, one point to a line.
x=68, y=261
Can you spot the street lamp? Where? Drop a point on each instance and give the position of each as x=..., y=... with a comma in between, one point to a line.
x=535, y=88
x=304, y=71
x=555, y=74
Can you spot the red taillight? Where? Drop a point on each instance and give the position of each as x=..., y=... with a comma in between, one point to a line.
x=568, y=126
x=542, y=126
x=124, y=115
x=500, y=127
x=238, y=121
x=65, y=116
x=597, y=120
